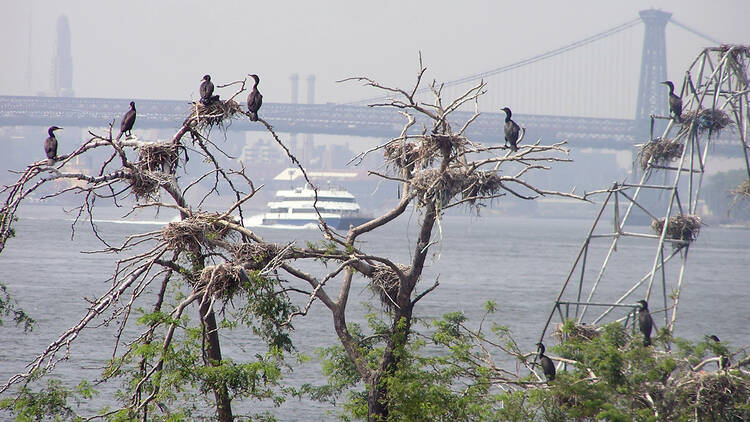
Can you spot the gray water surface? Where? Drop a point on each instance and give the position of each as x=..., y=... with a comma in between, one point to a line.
x=518, y=263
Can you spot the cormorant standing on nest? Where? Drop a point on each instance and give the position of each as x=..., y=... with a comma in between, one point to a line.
x=675, y=102
x=511, y=130
x=206, y=90
x=128, y=120
x=547, y=366
x=645, y=323
x=50, y=144
x=254, y=100
x=723, y=358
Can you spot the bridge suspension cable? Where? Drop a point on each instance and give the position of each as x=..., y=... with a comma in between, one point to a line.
x=526, y=62
x=695, y=31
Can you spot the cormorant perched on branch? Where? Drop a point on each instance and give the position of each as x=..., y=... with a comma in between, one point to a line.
x=511, y=130
x=722, y=352
x=645, y=323
x=675, y=102
x=128, y=120
x=207, y=90
x=254, y=100
x=50, y=144
x=547, y=366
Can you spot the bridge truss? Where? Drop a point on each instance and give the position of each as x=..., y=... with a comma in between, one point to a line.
x=652, y=263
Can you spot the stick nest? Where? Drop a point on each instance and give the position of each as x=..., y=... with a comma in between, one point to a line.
x=575, y=331
x=256, y=256
x=203, y=229
x=385, y=283
x=222, y=281
x=741, y=190
x=218, y=112
x=661, y=150
x=145, y=184
x=162, y=157
x=405, y=154
x=682, y=227
x=707, y=119
x=713, y=393
x=434, y=185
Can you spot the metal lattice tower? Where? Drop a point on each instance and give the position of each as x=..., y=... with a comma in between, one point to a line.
x=651, y=95
x=62, y=61
x=717, y=95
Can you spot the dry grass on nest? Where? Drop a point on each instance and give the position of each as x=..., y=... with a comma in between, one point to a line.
x=661, y=150
x=431, y=183
x=482, y=183
x=579, y=331
x=226, y=280
x=145, y=184
x=256, y=256
x=444, y=144
x=201, y=229
x=741, y=190
x=682, y=227
x=712, y=392
x=211, y=114
x=162, y=157
x=707, y=119
x=401, y=154
x=385, y=283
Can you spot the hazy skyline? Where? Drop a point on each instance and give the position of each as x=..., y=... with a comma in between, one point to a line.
x=161, y=49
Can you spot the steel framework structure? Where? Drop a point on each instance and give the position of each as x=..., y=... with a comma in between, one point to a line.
x=717, y=87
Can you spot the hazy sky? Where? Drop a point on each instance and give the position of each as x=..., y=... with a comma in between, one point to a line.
x=160, y=49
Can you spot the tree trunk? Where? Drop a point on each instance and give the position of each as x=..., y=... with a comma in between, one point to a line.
x=213, y=353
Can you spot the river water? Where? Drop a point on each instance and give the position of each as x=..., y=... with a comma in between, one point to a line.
x=519, y=263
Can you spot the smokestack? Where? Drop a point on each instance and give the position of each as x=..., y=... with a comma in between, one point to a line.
x=311, y=89
x=294, y=78
x=62, y=61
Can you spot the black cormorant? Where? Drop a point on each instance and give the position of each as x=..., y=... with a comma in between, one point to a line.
x=720, y=349
x=675, y=102
x=128, y=120
x=50, y=144
x=511, y=130
x=547, y=366
x=645, y=323
x=254, y=100
x=206, y=89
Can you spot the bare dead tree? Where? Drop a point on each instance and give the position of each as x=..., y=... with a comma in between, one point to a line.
x=436, y=167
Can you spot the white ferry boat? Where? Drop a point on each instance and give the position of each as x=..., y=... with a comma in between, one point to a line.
x=294, y=208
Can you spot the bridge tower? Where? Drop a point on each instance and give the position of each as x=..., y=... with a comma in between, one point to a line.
x=652, y=97
x=62, y=61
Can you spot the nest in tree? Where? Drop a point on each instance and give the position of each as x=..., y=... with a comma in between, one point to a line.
x=385, y=283
x=443, y=186
x=661, y=151
x=222, y=280
x=707, y=119
x=211, y=114
x=256, y=256
x=145, y=184
x=578, y=331
x=162, y=157
x=202, y=229
x=682, y=227
x=402, y=154
x=713, y=393
x=443, y=144
x=481, y=184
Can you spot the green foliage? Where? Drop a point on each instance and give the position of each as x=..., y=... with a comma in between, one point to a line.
x=8, y=307
x=49, y=403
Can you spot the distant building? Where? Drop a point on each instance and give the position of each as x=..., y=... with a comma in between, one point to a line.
x=62, y=61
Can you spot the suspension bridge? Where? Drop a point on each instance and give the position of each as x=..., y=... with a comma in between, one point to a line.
x=595, y=92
